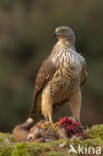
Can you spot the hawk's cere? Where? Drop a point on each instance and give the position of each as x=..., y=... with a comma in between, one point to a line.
x=59, y=79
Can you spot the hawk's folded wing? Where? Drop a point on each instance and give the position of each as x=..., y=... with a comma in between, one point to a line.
x=84, y=71
x=44, y=75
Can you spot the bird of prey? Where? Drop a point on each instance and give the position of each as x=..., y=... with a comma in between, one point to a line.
x=59, y=79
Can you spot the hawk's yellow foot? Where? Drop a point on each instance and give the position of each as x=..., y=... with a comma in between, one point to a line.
x=54, y=125
x=57, y=123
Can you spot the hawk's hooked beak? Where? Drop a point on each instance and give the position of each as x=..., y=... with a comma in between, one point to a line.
x=56, y=34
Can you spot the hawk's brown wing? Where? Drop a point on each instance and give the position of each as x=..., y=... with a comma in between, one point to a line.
x=84, y=71
x=44, y=75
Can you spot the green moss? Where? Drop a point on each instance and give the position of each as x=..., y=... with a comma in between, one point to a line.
x=8, y=147
x=55, y=153
x=4, y=136
x=95, y=131
x=93, y=142
x=97, y=141
x=30, y=149
x=20, y=149
x=5, y=150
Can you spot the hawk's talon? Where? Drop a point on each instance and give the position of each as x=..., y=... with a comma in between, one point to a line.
x=57, y=123
x=54, y=125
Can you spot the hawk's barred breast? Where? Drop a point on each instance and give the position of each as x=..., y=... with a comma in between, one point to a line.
x=66, y=79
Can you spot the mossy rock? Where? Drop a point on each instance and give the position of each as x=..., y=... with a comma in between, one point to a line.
x=8, y=147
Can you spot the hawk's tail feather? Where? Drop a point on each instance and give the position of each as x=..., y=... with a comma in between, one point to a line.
x=35, y=112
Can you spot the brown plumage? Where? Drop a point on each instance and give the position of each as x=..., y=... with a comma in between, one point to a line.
x=44, y=75
x=59, y=78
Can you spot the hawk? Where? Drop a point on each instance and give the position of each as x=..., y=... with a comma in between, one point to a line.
x=59, y=79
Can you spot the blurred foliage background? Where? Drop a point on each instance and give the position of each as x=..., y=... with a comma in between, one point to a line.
x=26, y=38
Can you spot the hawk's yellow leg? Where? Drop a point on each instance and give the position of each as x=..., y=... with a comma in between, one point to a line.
x=53, y=124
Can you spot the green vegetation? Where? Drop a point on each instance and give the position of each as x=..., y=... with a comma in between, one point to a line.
x=8, y=147
x=26, y=38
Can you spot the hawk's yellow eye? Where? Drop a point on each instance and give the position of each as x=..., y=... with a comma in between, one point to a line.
x=64, y=30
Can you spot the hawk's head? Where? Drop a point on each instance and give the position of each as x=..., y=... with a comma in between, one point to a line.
x=64, y=32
